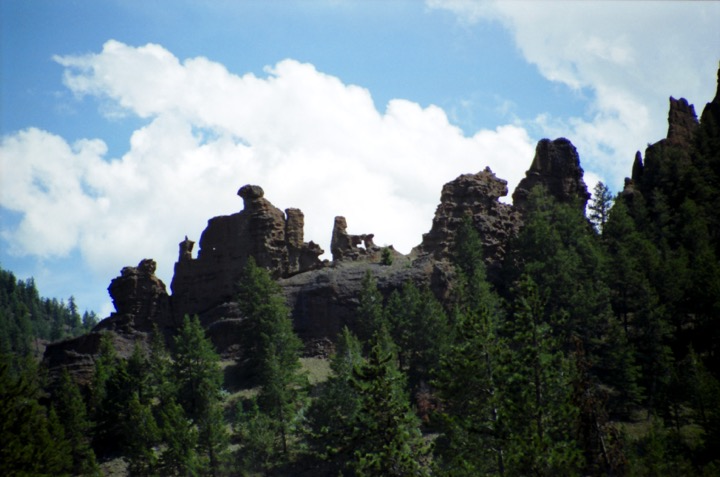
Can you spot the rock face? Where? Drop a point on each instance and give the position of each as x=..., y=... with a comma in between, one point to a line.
x=323, y=297
x=324, y=301
x=141, y=302
x=682, y=122
x=474, y=196
x=556, y=165
x=672, y=151
x=260, y=230
x=140, y=299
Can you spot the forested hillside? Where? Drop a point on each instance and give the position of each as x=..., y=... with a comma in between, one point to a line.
x=25, y=317
x=592, y=349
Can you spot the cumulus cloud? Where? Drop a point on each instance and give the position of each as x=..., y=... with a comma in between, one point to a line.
x=307, y=138
x=629, y=56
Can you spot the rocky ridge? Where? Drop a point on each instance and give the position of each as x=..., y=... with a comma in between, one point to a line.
x=322, y=295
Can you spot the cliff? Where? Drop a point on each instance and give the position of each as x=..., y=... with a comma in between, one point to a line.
x=323, y=295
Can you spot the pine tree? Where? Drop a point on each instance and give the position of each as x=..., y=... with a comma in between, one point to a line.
x=72, y=414
x=370, y=316
x=536, y=411
x=471, y=442
x=33, y=440
x=214, y=440
x=420, y=329
x=109, y=396
x=332, y=414
x=472, y=436
x=386, y=436
x=181, y=439
x=600, y=206
x=277, y=350
x=257, y=439
x=196, y=370
x=144, y=435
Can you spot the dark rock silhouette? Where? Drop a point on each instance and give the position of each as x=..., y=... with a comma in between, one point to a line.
x=322, y=296
x=556, y=166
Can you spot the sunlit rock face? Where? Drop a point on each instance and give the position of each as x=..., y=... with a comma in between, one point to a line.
x=272, y=237
x=475, y=196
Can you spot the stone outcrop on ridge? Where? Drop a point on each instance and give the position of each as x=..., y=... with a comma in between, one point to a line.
x=141, y=303
x=475, y=196
x=556, y=166
x=261, y=230
x=322, y=296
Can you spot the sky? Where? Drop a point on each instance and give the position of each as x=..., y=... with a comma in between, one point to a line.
x=125, y=125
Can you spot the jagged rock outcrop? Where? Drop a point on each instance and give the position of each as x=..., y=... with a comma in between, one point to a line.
x=556, y=166
x=140, y=299
x=711, y=111
x=682, y=122
x=260, y=230
x=345, y=246
x=670, y=152
x=141, y=302
x=475, y=196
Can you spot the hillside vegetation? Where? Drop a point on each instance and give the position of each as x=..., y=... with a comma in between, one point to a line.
x=595, y=351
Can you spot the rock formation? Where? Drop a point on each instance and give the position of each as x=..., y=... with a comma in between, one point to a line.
x=323, y=297
x=682, y=122
x=345, y=246
x=324, y=301
x=670, y=152
x=141, y=302
x=260, y=230
x=556, y=166
x=140, y=299
x=474, y=196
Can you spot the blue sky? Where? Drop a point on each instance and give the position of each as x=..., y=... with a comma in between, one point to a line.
x=126, y=125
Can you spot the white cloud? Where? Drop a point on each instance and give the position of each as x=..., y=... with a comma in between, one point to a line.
x=631, y=56
x=307, y=138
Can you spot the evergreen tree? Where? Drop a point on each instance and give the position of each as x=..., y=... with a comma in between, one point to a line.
x=143, y=436
x=196, y=370
x=386, y=436
x=181, y=439
x=420, y=329
x=257, y=439
x=332, y=414
x=278, y=352
x=472, y=436
x=214, y=440
x=600, y=206
x=72, y=415
x=537, y=410
x=161, y=385
x=109, y=397
x=471, y=442
x=89, y=320
x=33, y=440
x=370, y=316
